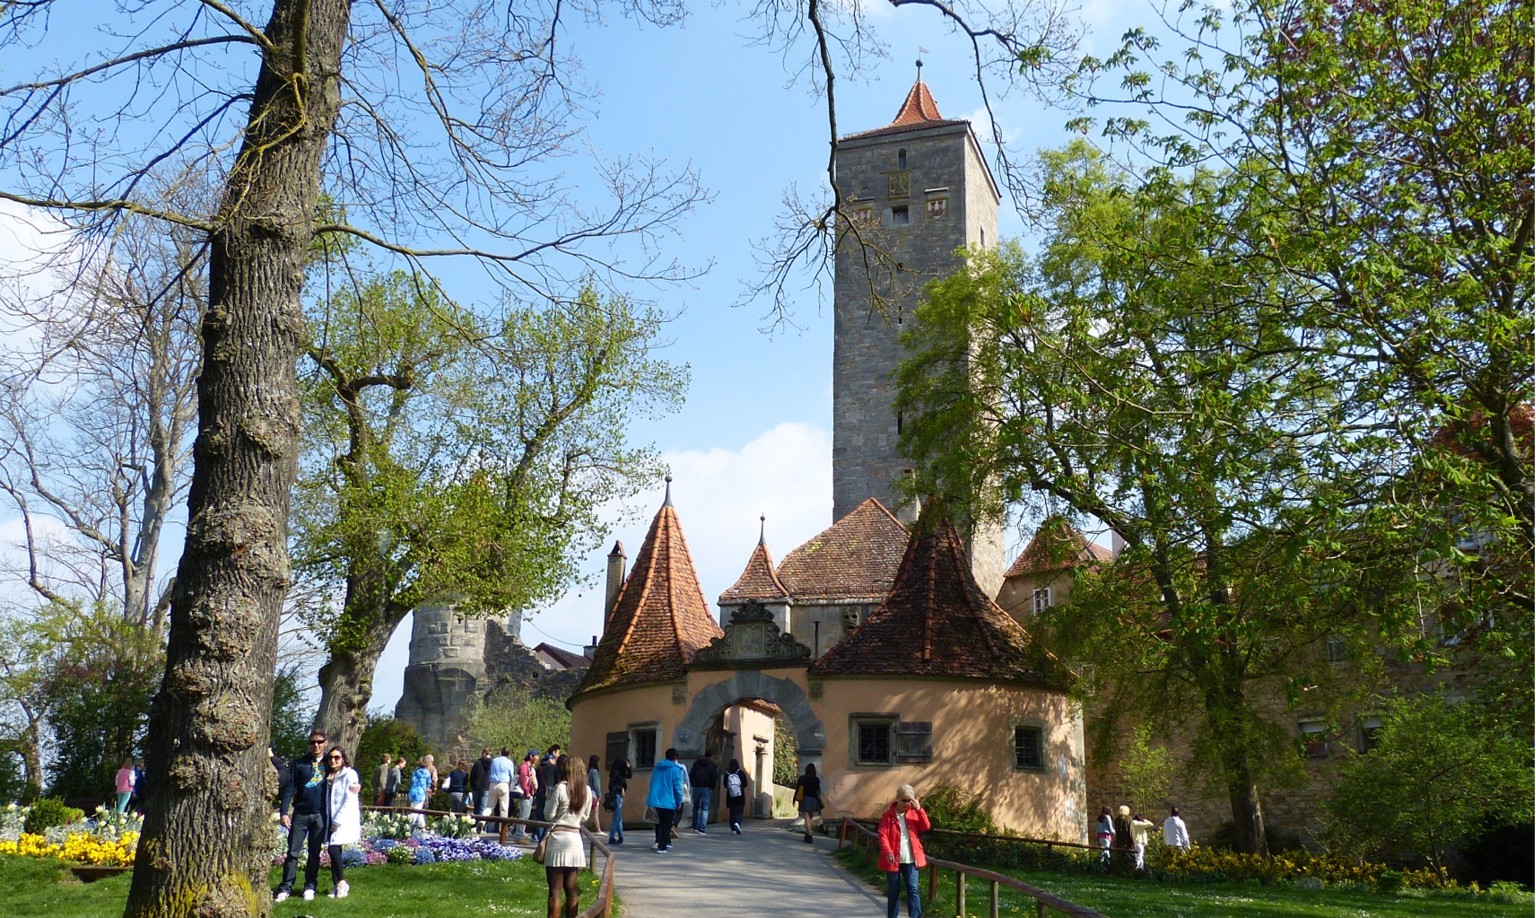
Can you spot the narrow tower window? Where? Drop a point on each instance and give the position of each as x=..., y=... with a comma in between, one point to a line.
x=901, y=159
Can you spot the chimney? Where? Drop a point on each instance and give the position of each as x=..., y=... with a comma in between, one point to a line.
x=616, y=559
x=590, y=651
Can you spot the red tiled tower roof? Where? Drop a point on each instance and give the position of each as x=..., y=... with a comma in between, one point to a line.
x=758, y=581
x=1057, y=546
x=660, y=618
x=938, y=622
x=852, y=561
x=918, y=110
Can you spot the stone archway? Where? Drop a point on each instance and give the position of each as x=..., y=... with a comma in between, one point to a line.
x=810, y=737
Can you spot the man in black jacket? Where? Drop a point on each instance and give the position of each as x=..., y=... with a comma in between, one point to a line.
x=480, y=781
x=306, y=793
x=703, y=777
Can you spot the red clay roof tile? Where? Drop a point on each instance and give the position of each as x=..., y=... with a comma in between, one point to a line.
x=1057, y=546
x=938, y=622
x=758, y=581
x=853, y=561
x=660, y=618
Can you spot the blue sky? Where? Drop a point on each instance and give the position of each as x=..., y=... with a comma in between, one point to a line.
x=753, y=437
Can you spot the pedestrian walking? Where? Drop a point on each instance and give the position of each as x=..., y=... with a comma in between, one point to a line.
x=1175, y=832
x=1104, y=831
x=735, y=783
x=702, y=778
x=619, y=774
x=808, y=798
x=570, y=804
x=668, y=782
x=1140, y=827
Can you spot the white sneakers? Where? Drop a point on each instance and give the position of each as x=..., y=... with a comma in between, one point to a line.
x=309, y=895
x=341, y=890
x=280, y=896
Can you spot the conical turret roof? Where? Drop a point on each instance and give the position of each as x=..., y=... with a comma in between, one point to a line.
x=758, y=581
x=660, y=618
x=937, y=622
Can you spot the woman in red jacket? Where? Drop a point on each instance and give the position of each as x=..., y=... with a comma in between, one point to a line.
x=901, y=851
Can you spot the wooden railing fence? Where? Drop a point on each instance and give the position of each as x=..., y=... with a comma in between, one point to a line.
x=1045, y=902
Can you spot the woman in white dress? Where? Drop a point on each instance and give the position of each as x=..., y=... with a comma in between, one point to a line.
x=569, y=805
x=345, y=815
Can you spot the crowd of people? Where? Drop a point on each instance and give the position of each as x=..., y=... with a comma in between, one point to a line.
x=1128, y=834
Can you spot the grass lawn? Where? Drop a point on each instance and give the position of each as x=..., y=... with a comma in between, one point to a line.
x=40, y=887
x=1125, y=898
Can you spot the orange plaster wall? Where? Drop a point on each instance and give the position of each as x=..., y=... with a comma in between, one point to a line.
x=972, y=749
x=594, y=717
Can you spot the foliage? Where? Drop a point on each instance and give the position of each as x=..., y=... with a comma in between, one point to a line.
x=291, y=714
x=396, y=737
x=13, y=776
x=1385, y=155
x=1437, y=774
x=458, y=825
x=786, y=760
x=47, y=812
x=513, y=719
x=1147, y=769
x=958, y=810
x=1141, y=374
x=450, y=458
x=101, y=675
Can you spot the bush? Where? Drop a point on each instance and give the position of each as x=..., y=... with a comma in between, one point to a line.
x=958, y=810
x=48, y=812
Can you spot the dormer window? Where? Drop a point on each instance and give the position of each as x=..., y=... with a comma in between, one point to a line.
x=1042, y=599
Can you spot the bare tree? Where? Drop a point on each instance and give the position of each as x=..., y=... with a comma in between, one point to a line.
x=96, y=426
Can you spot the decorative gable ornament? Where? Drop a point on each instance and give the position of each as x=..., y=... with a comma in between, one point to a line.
x=752, y=641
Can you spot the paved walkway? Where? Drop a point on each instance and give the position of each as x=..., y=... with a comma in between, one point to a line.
x=768, y=870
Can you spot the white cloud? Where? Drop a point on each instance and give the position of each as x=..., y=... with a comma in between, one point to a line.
x=784, y=473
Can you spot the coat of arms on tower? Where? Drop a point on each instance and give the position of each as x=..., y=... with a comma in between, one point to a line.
x=937, y=208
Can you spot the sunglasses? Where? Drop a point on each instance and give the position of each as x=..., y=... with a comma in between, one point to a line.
x=317, y=742
x=335, y=758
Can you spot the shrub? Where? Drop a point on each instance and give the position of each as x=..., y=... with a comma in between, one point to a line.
x=48, y=812
x=958, y=810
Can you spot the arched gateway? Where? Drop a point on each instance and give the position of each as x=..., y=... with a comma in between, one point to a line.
x=937, y=685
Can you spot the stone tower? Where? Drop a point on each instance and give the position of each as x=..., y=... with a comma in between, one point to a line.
x=917, y=191
x=447, y=673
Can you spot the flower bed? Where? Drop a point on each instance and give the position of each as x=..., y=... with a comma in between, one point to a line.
x=1206, y=864
x=109, y=839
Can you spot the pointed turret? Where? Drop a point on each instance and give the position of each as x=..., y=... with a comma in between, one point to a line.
x=938, y=622
x=660, y=618
x=758, y=581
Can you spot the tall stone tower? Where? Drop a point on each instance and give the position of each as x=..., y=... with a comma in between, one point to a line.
x=918, y=190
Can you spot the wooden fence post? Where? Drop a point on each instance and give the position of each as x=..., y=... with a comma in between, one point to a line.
x=960, y=892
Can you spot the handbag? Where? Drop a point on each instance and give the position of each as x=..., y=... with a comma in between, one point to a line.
x=610, y=801
x=541, y=850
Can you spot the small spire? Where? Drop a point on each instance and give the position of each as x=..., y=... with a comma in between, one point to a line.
x=668, y=501
x=919, y=70
x=762, y=529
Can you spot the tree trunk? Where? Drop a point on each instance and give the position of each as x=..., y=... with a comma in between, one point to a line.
x=1226, y=712
x=346, y=679
x=206, y=828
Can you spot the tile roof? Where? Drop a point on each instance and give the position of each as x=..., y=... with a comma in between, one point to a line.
x=660, y=618
x=758, y=581
x=566, y=658
x=918, y=110
x=938, y=622
x=1057, y=546
x=853, y=561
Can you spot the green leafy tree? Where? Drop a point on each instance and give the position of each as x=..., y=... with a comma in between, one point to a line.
x=1148, y=769
x=93, y=676
x=786, y=758
x=448, y=458
x=386, y=734
x=1437, y=775
x=1143, y=373
x=520, y=722
x=1385, y=152
x=291, y=713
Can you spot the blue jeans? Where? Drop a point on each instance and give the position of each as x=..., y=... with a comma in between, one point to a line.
x=616, y=827
x=310, y=827
x=701, y=807
x=906, y=875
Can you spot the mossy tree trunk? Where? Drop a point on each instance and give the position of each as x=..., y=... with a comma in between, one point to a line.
x=206, y=833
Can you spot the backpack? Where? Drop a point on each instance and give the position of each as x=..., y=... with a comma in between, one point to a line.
x=733, y=784
x=610, y=801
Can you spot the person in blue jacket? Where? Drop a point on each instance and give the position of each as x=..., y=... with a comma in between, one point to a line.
x=666, y=797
